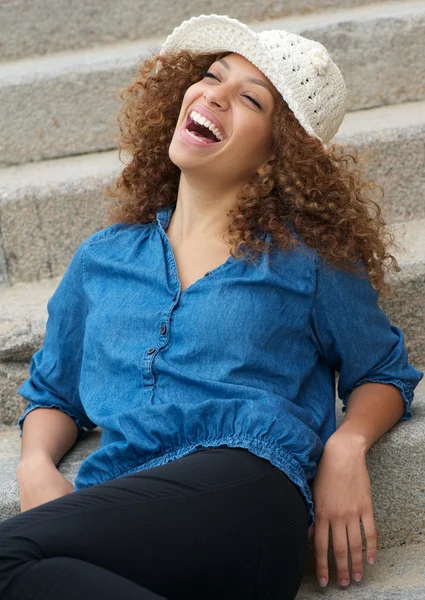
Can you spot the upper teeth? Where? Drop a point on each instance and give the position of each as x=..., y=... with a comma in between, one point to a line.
x=206, y=123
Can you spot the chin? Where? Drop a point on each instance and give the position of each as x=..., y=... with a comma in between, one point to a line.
x=181, y=159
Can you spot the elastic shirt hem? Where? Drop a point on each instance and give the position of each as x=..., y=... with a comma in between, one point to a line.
x=271, y=452
x=81, y=430
x=405, y=388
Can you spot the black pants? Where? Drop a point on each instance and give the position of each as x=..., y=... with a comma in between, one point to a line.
x=220, y=523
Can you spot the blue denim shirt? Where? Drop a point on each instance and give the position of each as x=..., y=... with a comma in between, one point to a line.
x=244, y=357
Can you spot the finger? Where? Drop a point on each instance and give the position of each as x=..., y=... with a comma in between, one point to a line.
x=340, y=550
x=355, y=545
x=321, y=546
x=370, y=535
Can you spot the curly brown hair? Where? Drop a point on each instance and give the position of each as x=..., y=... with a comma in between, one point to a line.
x=328, y=202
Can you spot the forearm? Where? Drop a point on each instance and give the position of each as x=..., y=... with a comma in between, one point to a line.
x=372, y=409
x=47, y=433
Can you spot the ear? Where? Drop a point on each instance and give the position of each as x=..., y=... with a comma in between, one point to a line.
x=266, y=167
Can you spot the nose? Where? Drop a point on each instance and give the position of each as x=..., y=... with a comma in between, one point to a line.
x=216, y=96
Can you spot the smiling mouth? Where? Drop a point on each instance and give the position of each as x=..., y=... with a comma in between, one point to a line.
x=200, y=132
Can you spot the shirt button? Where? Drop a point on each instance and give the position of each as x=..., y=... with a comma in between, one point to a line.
x=163, y=329
x=150, y=351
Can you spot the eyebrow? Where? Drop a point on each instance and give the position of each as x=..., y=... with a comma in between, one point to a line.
x=249, y=79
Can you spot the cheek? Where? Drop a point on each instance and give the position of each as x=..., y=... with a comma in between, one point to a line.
x=254, y=143
x=189, y=98
x=193, y=92
x=251, y=134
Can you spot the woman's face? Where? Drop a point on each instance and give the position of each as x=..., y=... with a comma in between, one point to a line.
x=240, y=100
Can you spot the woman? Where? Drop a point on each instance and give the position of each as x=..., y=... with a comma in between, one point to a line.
x=212, y=376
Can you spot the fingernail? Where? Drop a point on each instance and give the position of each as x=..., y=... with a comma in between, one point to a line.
x=357, y=576
x=323, y=582
x=344, y=582
x=371, y=560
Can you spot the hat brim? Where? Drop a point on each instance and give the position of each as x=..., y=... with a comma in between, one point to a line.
x=220, y=33
x=210, y=33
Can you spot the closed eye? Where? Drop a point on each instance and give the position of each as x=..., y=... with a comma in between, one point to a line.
x=208, y=74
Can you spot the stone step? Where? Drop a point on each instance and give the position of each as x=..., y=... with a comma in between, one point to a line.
x=398, y=574
x=68, y=103
x=47, y=209
x=396, y=466
x=55, y=25
x=62, y=199
x=23, y=317
x=405, y=304
x=391, y=140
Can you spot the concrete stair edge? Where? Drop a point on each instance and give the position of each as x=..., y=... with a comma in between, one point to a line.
x=52, y=27
x=74, y=97
x=398, y=574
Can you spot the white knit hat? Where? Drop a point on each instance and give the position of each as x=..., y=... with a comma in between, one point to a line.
x=299, y=68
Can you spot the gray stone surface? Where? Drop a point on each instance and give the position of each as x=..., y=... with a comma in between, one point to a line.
x=49, y=208
x=4, y=281
x=391, y=141
x=64, y=104
x=398, y=574
x=12, y=375
x=405, y=304
x=68, y=103
x=55, y=25
x=23, y=317
x=409, y=313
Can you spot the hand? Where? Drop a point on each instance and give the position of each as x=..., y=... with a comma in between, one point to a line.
x=342, y=497
x=40, y=482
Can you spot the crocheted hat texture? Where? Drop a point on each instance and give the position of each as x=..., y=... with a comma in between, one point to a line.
x=300, y=69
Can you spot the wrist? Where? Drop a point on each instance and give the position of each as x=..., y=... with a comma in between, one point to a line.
x=347, y=437
x=33, y=463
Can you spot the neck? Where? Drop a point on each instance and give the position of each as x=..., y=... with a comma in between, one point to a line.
x=201, y=211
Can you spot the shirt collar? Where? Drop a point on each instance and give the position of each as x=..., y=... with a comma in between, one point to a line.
x=163, y=216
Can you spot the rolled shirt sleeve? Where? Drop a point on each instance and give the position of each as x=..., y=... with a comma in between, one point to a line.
x=55, y=368
x=355, y=337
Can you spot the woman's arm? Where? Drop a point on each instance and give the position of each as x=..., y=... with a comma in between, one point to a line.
x=47, y=433
x=372, y=409
x=342, y=488
x=55, y=369
x=354, y=337
x=55, y=417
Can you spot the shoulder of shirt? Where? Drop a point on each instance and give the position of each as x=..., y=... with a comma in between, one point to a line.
x=303, y=249
x=111, y=231
x=319, y=262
